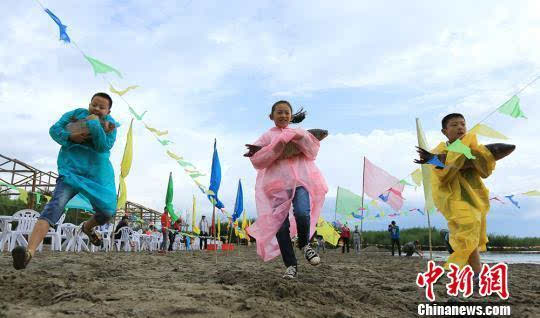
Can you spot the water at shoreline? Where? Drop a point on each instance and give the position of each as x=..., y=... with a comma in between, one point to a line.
x=529, y=257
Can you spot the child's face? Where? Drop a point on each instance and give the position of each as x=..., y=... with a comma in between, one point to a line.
x=455, y=129
x=281, y=115
x=99, y=106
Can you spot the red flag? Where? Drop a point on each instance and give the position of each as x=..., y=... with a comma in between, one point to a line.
x=379, y=182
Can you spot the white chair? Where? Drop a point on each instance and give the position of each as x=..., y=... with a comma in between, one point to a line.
x=156, y=241
x=5, y=234
x=136, y=240
x=107, y=238
x=146, y=241
x=56, y=235
x=68, y=234
x=74, y=238
x=26, y=220
x=125, y=234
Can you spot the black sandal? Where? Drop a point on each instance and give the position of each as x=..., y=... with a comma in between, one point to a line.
x=21, y=257
x=93, y=236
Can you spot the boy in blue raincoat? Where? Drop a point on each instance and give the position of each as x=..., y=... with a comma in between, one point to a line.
x=83, y=167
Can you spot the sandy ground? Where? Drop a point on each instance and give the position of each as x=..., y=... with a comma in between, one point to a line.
x=240, y=285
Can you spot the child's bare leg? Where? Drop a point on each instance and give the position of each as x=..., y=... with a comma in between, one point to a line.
x=474, y=261
x=38, y=234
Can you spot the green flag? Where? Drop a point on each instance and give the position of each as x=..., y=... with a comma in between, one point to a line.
x=404, y=182
x=164, y=142
x=348, y=202
x=458, y=146
x=100, y=67
x=511, y=108
x=134, y=113
x=169, y=198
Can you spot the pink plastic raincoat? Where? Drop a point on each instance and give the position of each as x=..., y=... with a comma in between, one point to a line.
x=277, y=181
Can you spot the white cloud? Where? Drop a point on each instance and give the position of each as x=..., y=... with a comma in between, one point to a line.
x=465, y=57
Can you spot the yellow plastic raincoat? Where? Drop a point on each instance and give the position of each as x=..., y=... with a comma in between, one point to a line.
x=462, y=198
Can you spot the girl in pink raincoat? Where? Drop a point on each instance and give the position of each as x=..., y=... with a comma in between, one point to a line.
x=282, y=183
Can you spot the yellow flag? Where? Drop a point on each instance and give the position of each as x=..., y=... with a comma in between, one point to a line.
x=122, y=92
x=532, y=193
x=23, y=195
x=481, y=129
x=157, y=132
x=122, y=194
x=417, y=176
x=196, y=230
x=218, y=227
x=125, y=167
x=244, y=221
x=426, y=170
x=174, y=156
x=327, y=232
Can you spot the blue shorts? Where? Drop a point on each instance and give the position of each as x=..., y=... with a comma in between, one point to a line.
x=61, y=196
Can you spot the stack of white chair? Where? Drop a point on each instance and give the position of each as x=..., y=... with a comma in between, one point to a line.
x=146, y=242
x=107, y=236
x=136, y=240
x=5, y=236
x=26, y=220
x=56, y=235
x=125, y=235
x=156, y=241
x=74, y=241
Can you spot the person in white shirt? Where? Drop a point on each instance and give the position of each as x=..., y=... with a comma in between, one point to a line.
x=205, y=229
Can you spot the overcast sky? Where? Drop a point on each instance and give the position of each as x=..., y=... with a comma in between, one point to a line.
x=212, y=69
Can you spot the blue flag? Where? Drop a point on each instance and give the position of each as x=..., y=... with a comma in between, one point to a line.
x=511, y=199
x=239, y=204
x=384, y=197
x=63, y=34
x=215, y=180
x=357, y=216
x=436, y=162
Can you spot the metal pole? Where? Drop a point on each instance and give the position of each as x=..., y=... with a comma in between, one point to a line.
x=362, y=219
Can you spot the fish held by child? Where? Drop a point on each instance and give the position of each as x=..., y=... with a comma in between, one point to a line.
x=290, y=148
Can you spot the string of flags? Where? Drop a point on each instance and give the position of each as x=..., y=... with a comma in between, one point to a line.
x=387, y=191
x=100, y=67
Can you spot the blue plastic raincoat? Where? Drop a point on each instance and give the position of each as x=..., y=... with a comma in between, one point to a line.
x=86, y=167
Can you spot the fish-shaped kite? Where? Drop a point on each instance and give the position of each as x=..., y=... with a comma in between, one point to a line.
x=498, y=150
x=290, y=148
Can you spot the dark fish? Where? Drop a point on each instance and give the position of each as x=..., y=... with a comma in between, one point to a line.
x=290, y=148
x=500, y=150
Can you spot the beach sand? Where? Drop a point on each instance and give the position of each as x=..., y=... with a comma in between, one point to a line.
x=191, y=284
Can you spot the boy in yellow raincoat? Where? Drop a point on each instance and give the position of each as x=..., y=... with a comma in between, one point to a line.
x=460, y=194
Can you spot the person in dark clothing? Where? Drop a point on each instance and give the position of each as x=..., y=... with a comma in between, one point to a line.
x=412, y=247
x=394, y=236
x=123, y=223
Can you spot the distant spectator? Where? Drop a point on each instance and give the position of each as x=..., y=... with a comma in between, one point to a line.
x=345, y=236
x=394, y=236
x=356, y=239
x=165, y=225
x=205, y=229
x=123, y=223
x=412, y=247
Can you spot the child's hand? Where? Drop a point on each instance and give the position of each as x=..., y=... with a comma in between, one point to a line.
x=78, y=138
x=92, y=116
